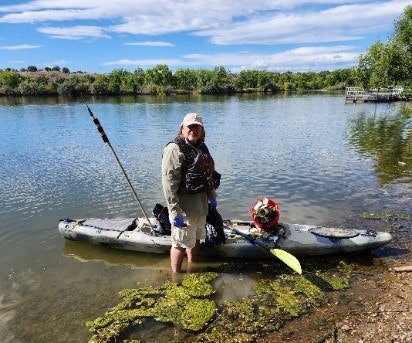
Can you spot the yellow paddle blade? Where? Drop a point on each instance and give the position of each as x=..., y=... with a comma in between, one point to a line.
x=288, y=259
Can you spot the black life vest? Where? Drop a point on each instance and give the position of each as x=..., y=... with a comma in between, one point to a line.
x=198, y=169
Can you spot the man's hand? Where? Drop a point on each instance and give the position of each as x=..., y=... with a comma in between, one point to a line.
x=178, y=222
x=213, y=203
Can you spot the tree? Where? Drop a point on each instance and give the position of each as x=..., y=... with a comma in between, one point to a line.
x=66, y=88
x=128, y=83
x=185, y=79
x=99, y=86
x=389, y=63
x=375, y=65
x=220, y=76
x=403, y=30
x=203, y=76
x=402, y=47
x=160, y=75
x=114, y=80
x=246, y=79
x=139, y=78
x=10, y=79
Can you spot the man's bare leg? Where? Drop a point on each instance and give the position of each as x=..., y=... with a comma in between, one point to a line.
x=176, y=259
x=192, y=252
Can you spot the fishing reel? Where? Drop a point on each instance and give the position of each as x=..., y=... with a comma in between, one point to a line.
x=265, y=214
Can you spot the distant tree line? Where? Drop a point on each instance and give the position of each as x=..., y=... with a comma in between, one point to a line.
x=382, y=65
x=161, y=80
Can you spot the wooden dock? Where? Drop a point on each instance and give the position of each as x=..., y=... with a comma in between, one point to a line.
x=356, y=94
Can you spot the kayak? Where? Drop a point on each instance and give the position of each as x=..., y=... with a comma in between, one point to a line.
x=242, y=239
x=260, y=238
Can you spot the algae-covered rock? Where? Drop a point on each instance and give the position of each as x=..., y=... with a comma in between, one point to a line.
x=184, y=305
x=279, y=297
x=188, y=305
x=181, y=305
x=387, y=216
x=199, y=285
x=285, y=298
x=197, y=313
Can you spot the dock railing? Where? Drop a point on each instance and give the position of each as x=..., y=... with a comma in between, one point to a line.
x=354, y=94
x=391, y=93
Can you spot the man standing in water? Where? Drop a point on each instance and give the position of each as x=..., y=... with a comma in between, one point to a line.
x=188, y=186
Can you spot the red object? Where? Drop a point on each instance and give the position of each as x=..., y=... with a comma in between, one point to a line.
x=265, y=213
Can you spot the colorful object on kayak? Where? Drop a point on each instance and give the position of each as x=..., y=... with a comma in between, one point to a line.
x=266, y=213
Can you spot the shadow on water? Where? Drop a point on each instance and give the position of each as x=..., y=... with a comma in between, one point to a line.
x=85, y=252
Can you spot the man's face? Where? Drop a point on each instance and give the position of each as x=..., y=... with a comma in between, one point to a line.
x=192, y=133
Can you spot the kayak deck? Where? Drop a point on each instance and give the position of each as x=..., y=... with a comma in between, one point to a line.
x=300, y=240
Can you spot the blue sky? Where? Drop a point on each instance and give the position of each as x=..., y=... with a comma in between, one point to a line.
x=276, y=35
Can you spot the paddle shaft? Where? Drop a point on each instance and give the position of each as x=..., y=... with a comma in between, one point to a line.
x=286, y=257
x=106, y=140
x=249, y=238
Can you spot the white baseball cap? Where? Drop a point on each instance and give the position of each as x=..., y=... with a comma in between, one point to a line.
x=192, y=119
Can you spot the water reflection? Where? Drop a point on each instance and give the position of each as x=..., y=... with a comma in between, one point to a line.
x=387, y=139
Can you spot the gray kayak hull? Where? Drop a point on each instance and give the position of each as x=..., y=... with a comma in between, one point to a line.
x=300, y=240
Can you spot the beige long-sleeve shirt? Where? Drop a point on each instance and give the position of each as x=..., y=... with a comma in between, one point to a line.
x=179, y=203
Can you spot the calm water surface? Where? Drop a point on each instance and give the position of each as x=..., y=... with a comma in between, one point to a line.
x=322, y=160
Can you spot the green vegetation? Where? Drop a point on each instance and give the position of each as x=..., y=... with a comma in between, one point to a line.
x=384, y=64
x=390, y=63
x=387, y=216
x=278, y=299
x=161, y=80
x=188, y=305
x=185, y=305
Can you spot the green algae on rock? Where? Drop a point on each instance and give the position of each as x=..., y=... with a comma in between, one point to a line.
x=387, y=216
x=276, y=300
x=179, y=307
x=184, y=305
x=278, y=297
x=199, y=285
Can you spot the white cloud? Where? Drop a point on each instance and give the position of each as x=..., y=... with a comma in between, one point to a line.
x=45, y=15
x=20, y=47
x=266, y=26
x=74, y=32
x=342, y=23
x=143, y=63
x=151, y=43
x=300, y=59
x=239, y=22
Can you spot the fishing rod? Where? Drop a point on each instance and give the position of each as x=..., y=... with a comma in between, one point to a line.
x=106, y=140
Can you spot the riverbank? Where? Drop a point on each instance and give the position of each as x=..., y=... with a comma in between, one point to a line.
x=373, y=310
x=376, y=308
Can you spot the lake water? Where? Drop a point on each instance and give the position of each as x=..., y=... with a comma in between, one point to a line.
x=324, y=161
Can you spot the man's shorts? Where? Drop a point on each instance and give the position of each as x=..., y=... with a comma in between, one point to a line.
x=186, y=236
